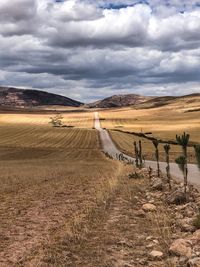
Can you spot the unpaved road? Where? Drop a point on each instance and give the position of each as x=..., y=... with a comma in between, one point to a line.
x=109, y=147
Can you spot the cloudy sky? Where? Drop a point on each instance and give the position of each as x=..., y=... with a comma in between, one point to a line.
x=89, y=49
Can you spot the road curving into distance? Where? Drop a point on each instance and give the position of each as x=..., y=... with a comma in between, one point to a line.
x=109, y=147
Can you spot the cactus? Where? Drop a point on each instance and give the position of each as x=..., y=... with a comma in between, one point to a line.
x=156, y=143
x=197, y=153
x=167, y=149
x=136, y=154
x=183, y=140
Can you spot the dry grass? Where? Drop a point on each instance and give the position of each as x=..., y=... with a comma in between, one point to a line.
x=125, y=141
x=112, y=233
x=62, y=202
x=76, y=119
x=163, y=122
x=50, y=179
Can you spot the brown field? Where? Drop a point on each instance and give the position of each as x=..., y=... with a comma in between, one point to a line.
x=57, y=191
x=63, y=203
x=163, y=122
x=76, y=119
x=50, y=178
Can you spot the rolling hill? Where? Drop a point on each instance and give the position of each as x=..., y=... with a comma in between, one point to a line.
x=189, y=102
x=24, y=98
x=119, y=101
x=12, y=98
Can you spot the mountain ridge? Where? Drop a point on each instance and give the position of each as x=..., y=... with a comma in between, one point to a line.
x=12, y=97
x=16, y=97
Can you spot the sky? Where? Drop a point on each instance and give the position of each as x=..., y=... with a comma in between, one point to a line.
x=91, y=49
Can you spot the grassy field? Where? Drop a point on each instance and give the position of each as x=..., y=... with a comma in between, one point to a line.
x=63, y=203
x=76, y=119
x=125, y=141
x=162, y=122
x=50, y=179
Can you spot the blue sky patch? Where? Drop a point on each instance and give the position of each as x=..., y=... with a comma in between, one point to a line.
x=121, y=6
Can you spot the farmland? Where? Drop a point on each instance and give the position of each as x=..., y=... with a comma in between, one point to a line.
x=63, y=203
x=76, y=119
x=162, y=122
x=49, y=178
x=58, y=190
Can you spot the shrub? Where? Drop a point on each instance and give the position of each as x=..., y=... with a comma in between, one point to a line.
x=56, y=121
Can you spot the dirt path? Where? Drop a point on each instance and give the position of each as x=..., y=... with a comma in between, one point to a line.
x=123, y=236
x=110, y=148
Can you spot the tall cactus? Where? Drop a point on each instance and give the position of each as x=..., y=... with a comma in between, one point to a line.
x=167, y=149
x=156, y=143
x=197, y=153
x=183, y=141
x=136, y=154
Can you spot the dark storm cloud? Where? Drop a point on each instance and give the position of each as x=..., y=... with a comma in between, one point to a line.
x=86, y=49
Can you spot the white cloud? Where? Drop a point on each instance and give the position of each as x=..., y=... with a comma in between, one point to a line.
x=83, y=49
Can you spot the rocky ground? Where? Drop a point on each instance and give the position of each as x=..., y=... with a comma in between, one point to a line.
x=184, y=246
x=142, y=223
x=138, y=222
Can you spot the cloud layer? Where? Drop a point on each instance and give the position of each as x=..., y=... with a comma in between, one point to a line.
x=88, y=51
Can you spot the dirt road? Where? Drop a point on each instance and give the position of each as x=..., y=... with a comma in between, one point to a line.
x=109, y=147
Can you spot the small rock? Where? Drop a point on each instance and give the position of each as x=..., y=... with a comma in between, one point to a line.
x=186, y=225
x=151, y=245
x=157, y=194
x=195, y=237
x=149, y=238
x=177, y=197
x=181, y=247
x=151, y=201
x=140, y=213
x=195, y=262
x=183, y=261
x=149, y=207
x=157, y=184
x=155, y=255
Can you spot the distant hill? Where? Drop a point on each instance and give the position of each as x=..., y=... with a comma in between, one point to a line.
x=14, y=98
x=182, y=102
x=119, y=101
x=24, y=98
